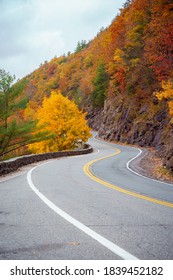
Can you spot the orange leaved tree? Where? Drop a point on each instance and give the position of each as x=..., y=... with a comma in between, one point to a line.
x=61, y=118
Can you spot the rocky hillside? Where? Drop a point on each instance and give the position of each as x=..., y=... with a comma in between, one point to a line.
x=115, y=123
x=115, y=77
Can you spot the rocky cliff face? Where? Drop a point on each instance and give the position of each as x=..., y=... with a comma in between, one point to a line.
x=146, y=125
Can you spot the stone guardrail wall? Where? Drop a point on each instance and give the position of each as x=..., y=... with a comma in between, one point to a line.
x=13, y=165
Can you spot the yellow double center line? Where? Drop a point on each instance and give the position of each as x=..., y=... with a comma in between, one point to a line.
x=87, y=170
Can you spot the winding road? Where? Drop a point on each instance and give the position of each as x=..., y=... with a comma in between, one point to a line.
x=86, y=207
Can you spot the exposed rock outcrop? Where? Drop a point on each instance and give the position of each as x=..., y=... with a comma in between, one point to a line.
x=146, y=125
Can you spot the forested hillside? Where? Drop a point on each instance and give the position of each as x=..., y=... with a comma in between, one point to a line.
x=123, y=78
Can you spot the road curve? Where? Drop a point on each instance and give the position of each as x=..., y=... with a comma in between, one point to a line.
x=56, y=211
x=116, y=170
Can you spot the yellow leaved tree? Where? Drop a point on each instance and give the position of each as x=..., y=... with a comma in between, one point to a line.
x=62, y=119
x=167, y=93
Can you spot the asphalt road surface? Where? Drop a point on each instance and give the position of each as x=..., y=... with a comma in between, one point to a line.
x=86, y=207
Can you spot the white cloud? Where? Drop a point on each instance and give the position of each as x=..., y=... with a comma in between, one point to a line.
x=32, y=31
x=45, y=43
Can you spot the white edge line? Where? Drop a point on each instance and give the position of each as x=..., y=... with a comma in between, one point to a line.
x=105, y=242
x=146, y=177
x=128, y=164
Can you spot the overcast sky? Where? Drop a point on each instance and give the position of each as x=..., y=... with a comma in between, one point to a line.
x=32, y=31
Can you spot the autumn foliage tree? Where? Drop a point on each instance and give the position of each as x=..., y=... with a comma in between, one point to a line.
x=137, y=51
x=159, y=38
x=60, y=117
x=167, y=93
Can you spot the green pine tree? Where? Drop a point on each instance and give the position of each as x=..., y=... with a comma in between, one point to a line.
x=13, y=134
x=100, y=86
x=80, y=46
